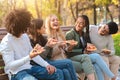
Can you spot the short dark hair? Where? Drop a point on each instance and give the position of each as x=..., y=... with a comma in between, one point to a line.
x=17, y=21
x=113, y=27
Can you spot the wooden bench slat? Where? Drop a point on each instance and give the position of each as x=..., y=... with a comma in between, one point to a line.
x=2, y=71
x=0, y=56
x=4, y=77
x=2, y=63
x=3, y=32
x=65, y=29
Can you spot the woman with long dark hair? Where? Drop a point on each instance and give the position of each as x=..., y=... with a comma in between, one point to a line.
x=53, y=31
x=36, y=32
x=17, y=51
x=80, y=33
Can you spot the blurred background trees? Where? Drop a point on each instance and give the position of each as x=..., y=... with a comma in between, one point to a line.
x=98, y=11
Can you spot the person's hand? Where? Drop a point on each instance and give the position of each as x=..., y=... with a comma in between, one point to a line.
x=72, y=42
x=86, y=51
x=61, y=44
x=51, y=69
x=51, y=42
x=106, y=51
x=89, y=48
x=36, y=51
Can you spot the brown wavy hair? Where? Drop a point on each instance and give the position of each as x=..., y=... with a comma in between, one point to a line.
x=17, y=21
x=36, y=24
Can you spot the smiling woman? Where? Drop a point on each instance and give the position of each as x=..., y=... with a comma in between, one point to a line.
x=48, y=44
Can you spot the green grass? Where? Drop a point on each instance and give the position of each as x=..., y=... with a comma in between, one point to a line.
x=116, y=38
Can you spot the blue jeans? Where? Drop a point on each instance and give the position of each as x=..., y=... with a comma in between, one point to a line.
x=100, y=66
x=37, y=73
x=66, y=74
x=66, y=66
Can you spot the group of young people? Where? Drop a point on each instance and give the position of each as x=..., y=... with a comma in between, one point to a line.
x=29, y=55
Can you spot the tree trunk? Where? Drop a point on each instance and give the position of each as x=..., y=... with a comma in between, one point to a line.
x=12, y=4
x=109, y=13
x=59, y=7
x=40, y=12
x=95, y=14
x=119, y=12
x=55, y=3
x=37, y=9
x=72, y=11
x=77, y=8
x=25, y=4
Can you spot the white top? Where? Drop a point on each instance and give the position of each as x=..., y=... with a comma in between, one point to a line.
x=101, y=42
x=15, y=52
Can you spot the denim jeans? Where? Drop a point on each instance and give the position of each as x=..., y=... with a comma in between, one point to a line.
x=100, y=66
x=37, y=73
x=66, y=74
x=66, y=66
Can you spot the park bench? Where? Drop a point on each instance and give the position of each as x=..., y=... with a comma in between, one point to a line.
x=3, y=32
x=3, y=76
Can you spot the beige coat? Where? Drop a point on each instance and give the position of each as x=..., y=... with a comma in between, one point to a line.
x=58, y=53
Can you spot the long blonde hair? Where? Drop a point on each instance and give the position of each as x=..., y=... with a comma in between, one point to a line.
x=49, y=29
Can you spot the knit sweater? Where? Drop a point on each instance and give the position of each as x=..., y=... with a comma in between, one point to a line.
x=101, y=42
x=15, y=52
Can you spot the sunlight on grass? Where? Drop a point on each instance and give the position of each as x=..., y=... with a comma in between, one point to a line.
x=116, y=38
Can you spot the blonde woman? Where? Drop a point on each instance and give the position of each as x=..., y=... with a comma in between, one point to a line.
x=36, y=32
x=17, y=51
x=53, y=31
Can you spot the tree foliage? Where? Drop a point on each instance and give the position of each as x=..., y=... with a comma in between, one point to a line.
x=103, y=2
x=116, y=38
x=67, y=10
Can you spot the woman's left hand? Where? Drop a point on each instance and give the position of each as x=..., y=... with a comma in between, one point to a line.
x=87, y=51
x=72, y=42
x=36, y=51
x=61, y=44
x=89, y=48
x=51, y=42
